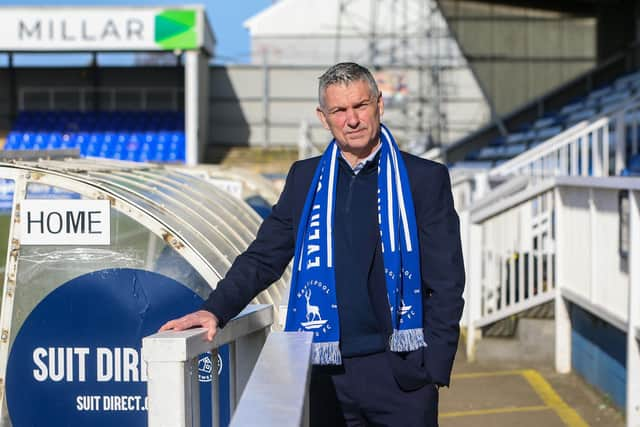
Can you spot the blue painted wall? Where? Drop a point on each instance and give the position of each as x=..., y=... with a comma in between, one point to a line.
x=599, y=354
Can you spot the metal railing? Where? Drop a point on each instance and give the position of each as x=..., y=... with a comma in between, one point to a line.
x=594, y=148
x=173, y=388
x=281, y=365
x=511, y=254
x=568, y=239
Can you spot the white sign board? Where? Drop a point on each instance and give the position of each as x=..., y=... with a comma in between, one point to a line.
x=65, y=222
x=99, y=28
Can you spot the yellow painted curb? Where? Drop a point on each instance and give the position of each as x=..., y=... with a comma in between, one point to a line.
x=494, y=411
x=486, y=374
x=548, y=395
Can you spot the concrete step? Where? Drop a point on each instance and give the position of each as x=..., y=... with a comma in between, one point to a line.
x=533, y=341
x=506, y=328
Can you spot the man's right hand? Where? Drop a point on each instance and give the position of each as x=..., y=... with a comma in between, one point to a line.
x=200, y=318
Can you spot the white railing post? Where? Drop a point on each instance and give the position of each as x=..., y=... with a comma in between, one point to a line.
x=563, y=346
x=584, y=155
x=575, y=145
x=605, y=150
x=620, y=143
x=593, y=248
x=475, y=286
x=633, y=346
x=562, y=319
x=564, y=161
x=172, y=376
x=596, y=149
x=634, y=132
x=481, y=181
x=215, y=389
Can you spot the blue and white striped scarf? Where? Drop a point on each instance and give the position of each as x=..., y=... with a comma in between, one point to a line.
x=312, y=301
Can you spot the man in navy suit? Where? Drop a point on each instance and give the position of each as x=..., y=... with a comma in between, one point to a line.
x=372, y=385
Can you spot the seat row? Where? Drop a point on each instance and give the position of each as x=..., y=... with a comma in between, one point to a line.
x=149, y=141
x=598, y=101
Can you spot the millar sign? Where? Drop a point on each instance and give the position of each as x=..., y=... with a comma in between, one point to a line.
x=65, y=222
x=63, y=30
x=98, y=29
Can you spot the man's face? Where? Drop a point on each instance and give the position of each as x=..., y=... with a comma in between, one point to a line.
x=352, y=115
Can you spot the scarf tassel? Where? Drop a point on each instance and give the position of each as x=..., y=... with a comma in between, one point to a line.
x=406, y=340
x=326, y=353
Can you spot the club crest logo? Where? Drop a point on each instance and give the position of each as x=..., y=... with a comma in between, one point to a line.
x=314, y=319
x=205, y=367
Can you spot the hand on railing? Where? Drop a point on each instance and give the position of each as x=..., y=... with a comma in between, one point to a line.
x=201, y=318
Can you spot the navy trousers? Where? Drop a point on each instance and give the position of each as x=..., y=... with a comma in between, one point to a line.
x=363, y=392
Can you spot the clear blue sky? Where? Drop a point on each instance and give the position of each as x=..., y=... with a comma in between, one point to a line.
x=226, y=18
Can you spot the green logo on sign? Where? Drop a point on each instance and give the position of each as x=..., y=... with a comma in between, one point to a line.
x=176, y=29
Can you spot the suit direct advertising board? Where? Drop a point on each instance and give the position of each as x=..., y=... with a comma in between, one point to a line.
x=77, y=354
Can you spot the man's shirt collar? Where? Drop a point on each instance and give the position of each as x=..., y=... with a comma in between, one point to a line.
x=362, y=163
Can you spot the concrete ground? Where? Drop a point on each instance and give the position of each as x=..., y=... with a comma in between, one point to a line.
x=509, y=395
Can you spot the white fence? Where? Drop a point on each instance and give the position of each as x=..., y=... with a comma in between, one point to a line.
x=568, y=239
x=511, y=243
x=173, y=385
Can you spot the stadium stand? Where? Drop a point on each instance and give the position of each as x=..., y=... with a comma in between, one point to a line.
x=135, y=135
x=599, y=101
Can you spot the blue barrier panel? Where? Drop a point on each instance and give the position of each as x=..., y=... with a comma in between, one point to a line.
x=76, y=359
x=599, y=354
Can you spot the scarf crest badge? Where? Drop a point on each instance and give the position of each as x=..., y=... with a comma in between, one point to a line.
x=312, y=302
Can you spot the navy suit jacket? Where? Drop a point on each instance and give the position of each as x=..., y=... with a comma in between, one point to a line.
x=440, y=255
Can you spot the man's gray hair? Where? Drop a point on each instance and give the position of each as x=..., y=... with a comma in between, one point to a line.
x=345, y=73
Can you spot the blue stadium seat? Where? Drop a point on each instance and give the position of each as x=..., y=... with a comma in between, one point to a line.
x=516, y=137
x=514, y=150
x=546, y=133
x=545, y=122
x=579, y=116
x=613, y=99
x=633, y=166
x=138, y=136
x=628, y=80
x=572, y=108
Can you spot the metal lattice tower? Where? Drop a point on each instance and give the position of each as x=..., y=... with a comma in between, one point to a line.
x=412, y=39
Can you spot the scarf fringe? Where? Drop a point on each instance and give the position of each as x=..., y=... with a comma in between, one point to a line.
x=326, y=353
x=406, y=340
